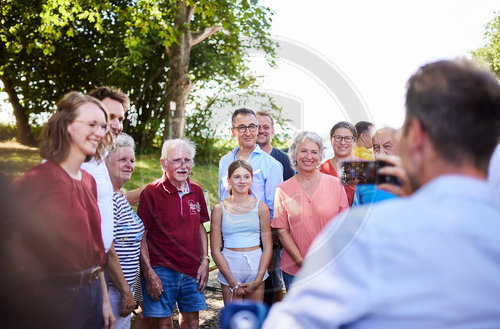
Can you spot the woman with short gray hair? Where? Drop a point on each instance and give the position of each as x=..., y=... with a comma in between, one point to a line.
x=305, y=203
x=128, y=227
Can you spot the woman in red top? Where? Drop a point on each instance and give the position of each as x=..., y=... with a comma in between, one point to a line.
x=66, y=232
x=342, y=136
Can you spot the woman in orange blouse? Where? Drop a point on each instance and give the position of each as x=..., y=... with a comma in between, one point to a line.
x=305, y=203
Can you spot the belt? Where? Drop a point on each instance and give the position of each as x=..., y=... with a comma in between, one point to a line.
x=79, y=278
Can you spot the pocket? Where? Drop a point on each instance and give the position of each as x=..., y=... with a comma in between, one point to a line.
x=63, y=296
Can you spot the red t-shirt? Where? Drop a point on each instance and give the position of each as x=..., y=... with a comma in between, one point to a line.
x=327, y=168
x=65, y=231
x=173, y=225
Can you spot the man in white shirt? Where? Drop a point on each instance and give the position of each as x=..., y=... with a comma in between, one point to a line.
x=117, y=103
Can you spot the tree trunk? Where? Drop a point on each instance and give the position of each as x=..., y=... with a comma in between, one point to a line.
x=23, y=131
x=178, y=82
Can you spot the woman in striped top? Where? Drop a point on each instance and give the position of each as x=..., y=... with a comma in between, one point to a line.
x=128, y=227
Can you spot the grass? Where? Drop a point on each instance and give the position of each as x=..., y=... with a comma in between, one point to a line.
x=15, y=159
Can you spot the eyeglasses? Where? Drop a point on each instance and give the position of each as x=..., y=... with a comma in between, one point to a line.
x=94, y=125
x=242, y=128
x=347, y=139
x=179, y=162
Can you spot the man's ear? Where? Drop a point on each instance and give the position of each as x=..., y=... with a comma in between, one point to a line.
x=416, y=136
x=163, y=164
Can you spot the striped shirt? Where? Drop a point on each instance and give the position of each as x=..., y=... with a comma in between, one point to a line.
x=127, y=233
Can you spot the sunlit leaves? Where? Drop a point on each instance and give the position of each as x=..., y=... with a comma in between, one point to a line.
x=490, y=53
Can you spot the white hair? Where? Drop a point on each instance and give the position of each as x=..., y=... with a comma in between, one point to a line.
x=186, y=143
x=122, y=140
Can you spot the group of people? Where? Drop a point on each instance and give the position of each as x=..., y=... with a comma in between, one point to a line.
x=425, y=257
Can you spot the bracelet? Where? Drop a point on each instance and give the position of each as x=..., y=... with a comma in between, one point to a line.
x=205, y=257
x=235, y=288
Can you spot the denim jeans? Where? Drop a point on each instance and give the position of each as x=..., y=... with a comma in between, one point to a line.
x=78, y=307
x=288, y=279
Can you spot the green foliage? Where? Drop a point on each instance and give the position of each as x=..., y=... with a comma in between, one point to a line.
x=205, y=129
x=7, y=132
x=489, y=55
x=49, y=47
x=40, y=49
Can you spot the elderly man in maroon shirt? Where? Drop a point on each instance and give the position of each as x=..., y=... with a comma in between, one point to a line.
x=174, y=257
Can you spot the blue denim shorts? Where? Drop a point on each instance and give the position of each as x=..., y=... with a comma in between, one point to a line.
x=177, y=288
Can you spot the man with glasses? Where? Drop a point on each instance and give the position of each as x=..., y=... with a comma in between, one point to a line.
x=267, y=172
x=174, y=253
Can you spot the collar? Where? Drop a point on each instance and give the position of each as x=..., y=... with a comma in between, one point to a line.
x=256, y=150
x=170, y=188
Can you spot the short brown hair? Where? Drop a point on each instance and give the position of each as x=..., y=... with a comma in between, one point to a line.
x=111, y=92
x=239, y=164
x=458, y=105
x=56, y=141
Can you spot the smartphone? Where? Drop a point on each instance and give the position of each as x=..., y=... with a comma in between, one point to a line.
x=365, y=172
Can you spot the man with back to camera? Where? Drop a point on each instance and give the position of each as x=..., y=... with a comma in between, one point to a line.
x=364, y=130
x=385, y=143
x=430, y=260
x=274, y=284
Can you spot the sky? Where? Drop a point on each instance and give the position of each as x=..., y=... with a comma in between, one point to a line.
x=376, y=45
x=373, y=45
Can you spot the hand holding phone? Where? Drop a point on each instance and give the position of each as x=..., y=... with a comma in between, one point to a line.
x=366, y=172
x=396, y=169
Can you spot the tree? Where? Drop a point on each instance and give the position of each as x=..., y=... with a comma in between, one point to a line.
x=489, y=55
x=182, y=26
x=39, y=54
x=157, y=51
x=211, y=134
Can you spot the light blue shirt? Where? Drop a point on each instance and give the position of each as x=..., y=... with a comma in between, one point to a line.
x=369, y=193
x=431, y=260
x=494, y=171
x=267, y=175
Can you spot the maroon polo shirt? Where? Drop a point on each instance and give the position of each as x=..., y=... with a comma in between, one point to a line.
x=65, y=228
x=173, y=224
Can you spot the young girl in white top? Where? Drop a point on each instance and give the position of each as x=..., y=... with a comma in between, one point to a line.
x=240, y=223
